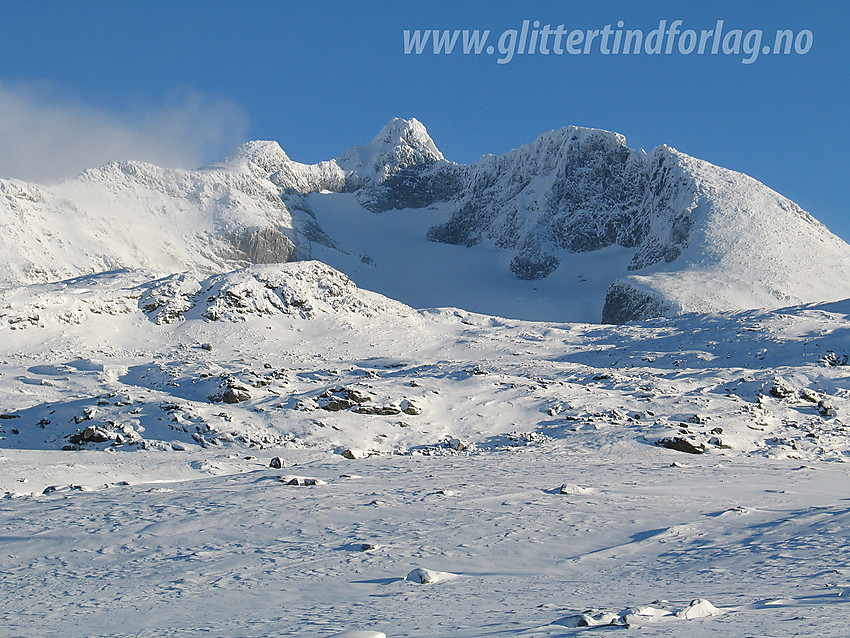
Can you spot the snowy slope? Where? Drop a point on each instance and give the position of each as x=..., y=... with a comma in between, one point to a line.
x=747, y=247
x=545, y=477
x=301, y=355
x=390, y=252
x=216, y=544
x=135, y=215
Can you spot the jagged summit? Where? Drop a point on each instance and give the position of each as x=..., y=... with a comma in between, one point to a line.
x=411, y=133
x=265, y=156
x=401, y=144
x=569, y=138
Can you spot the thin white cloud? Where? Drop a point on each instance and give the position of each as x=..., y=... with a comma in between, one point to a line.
x=47, y=135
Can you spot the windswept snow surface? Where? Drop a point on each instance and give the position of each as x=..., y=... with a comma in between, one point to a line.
x=686, y=476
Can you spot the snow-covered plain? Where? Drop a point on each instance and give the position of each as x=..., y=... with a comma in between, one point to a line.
x=683, y=476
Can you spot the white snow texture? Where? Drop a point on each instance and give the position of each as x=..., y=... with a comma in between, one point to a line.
x=372, y=398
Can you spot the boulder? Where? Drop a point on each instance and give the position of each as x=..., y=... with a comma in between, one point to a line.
x=682, y=444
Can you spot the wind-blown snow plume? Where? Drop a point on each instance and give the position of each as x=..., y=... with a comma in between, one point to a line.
x=47, y=135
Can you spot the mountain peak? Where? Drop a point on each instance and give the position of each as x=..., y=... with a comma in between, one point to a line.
x=400, y=144
x=629, y=233
x=258, y=155
x=571, y=139
x=409, y=133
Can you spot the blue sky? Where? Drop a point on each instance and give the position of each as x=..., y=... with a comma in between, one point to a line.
x=183, y=82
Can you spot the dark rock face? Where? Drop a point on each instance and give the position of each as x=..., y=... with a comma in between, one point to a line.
x=524, y=266
x=624, y=302
x=573, y=190
x=463, y=228
x=411, y=188
x=263, y=245
x=668, y=219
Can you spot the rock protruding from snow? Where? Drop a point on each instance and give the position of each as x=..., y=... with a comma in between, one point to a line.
x=591, y=618
x=302, y=289
x=574, y=490
x=686, y=444
x=699, y=608
x=301, y=481
x=642, y=615
x=424, y=576
x=626, y=301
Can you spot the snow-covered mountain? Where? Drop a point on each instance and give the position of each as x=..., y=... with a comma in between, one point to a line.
x=573, y=226
x=201, y=441
x=131, y=214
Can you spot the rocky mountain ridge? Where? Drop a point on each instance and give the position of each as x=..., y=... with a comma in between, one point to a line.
x=702, y=238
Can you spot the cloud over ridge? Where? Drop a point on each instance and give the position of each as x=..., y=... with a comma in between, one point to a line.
x=47, y=135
